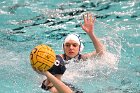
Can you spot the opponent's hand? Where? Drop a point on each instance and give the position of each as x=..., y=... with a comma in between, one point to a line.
x=88, y=25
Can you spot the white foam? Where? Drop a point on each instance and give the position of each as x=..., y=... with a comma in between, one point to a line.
x=3, y=12
x=91, y=68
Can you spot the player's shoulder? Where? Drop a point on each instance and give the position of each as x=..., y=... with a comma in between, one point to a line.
x=88, y=55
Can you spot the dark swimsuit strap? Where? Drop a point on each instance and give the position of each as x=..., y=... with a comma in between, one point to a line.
x=75, y=89
x=43, y=86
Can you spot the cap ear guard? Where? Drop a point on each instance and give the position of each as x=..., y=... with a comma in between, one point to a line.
x=81, y=47
x=81, y=44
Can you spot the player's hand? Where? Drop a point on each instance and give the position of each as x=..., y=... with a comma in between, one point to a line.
x=88, y=25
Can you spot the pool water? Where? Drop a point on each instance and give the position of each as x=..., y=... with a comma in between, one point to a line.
x=25, y=24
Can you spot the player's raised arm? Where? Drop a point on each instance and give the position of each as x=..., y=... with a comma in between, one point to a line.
x=88, y=27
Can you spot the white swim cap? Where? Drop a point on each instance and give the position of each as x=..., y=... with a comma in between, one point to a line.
x=76, y=38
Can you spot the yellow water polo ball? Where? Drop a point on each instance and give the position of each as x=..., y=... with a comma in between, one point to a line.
x=42, y=58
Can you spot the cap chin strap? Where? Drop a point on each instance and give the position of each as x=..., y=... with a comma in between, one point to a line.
x=69, y=57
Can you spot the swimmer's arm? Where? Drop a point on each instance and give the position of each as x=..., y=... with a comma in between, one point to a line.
x=59, y=85
x=99, y=47
x=88, y=27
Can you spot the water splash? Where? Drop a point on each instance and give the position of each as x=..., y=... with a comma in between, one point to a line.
x=92, y=68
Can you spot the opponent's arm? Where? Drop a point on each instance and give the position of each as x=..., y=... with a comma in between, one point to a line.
x=59, y=85
x=88, y=27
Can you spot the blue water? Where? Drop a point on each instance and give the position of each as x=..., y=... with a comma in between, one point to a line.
x=27, y=23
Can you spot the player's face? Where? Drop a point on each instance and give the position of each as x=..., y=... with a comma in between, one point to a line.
x=71, y=48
